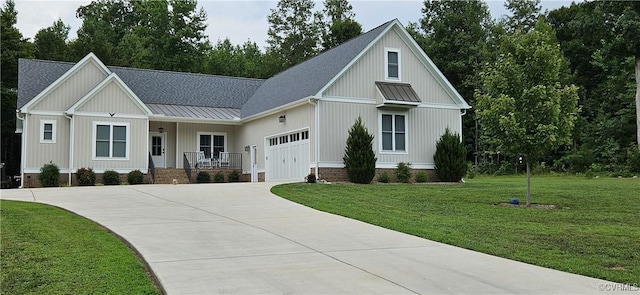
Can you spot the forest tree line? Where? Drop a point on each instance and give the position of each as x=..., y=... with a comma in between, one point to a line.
x=599, y=55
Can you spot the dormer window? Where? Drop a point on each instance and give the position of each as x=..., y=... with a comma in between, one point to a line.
x=392, y=60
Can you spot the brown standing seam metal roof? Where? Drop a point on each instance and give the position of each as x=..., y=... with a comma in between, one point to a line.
x=398, y=92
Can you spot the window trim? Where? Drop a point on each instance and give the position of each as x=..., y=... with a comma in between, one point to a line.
x=386, y=64
x=393, y=134
x=53, y=131
x=224, y=134
x=127, y=151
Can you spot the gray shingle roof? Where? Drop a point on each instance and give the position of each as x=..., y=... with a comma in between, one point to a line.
x=36, y=75
x=163, y=87
x=307, y=78
x=151, y=86
x=252, y=96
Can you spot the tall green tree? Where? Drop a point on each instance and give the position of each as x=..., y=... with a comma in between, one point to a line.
x=339, y=24
x=625, y=20
x=104, y=25
x=294, y=32
x=454, y=34
x=524, y=15
x=13, y=46
x=51, y=43
x=169, y=35
x=359, y=158
x=244, y=60
x=604, y=71
x=523, y=106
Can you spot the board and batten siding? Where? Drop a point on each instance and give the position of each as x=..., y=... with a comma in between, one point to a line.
x=188, y=137
x=83, y=145
x=170, y=140
x=43, y=153
x=425, y=126
x=111, y=99
x=72, y=89
x=336, y=118
x=256, y=131
x=359, y=80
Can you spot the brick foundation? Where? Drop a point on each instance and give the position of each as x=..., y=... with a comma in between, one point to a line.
x=31, y=179
x=340, y=174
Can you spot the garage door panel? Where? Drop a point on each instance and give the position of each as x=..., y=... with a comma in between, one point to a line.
x=288, y=159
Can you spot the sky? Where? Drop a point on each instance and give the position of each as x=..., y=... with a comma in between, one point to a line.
x=240, y=20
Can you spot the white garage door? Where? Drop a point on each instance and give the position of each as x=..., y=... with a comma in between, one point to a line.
x=287, y=157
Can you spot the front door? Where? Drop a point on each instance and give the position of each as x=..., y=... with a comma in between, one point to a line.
x=157, y=149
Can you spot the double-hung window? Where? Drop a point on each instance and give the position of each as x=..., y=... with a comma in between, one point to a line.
x=47, y=131
x=392, y=64
x=111, y=140
x=394, y=132
x=211, y=144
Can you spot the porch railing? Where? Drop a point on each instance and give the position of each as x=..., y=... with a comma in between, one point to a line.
x=223, y=160
x=187, y=167
x=152, y=169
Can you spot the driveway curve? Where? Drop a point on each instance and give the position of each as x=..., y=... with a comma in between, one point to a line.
x=241, y=239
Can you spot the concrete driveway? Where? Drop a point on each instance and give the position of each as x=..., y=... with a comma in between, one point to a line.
x=241, y=239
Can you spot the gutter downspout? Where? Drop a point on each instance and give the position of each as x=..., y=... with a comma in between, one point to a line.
x=23, y=146
x=71, y=138
x=462, y=113
x=316, y=103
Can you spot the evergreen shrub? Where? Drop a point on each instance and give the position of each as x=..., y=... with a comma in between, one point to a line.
x=203, y=177
x=111, y=177
x=359, y=158
x=135, y=177
x=49, y=175
x=450, y=157
x=86, y=176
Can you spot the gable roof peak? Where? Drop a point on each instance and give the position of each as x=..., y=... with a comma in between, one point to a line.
x=308, y=77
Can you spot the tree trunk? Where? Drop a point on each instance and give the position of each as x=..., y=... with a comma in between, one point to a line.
x=528, y=184
x=638, y=100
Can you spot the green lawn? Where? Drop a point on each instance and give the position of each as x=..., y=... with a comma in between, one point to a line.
x=595, y=232
x=46, y=250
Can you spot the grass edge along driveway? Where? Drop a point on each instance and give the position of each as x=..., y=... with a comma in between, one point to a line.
x=594, y=232
x=47, y=250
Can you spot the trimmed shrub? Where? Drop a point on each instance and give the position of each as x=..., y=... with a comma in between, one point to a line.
x=234, y=176
x=359, y=158
x=218, y=177
x=384, y=177
x=422, y=177
x=111, y=177
x=203, y=177
x=135, y=177
x=450, y=157
x=49, y=175
x=86, y=176
x=403, y=172
x=311, y=178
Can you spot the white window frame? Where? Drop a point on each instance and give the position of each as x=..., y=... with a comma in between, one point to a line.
x=53, y=131
x=224, y=134
x=386, y=64
x=393, y=134
x=127, y=143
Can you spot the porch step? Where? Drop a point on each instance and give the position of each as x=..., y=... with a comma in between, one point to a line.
x=167, y=175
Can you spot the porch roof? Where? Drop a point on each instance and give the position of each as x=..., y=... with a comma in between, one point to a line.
x=194, y=112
